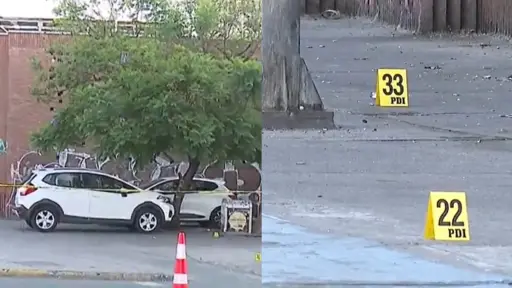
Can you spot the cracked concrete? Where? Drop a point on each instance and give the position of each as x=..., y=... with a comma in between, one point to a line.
x=370, y=179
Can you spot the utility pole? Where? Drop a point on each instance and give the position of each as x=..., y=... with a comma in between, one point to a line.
x=281, y=55
x=290, y=99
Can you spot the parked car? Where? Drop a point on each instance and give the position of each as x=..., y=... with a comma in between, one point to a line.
x=84, y=196
x=203, y=208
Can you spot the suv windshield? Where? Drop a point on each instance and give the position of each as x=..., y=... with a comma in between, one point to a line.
x=149, y=184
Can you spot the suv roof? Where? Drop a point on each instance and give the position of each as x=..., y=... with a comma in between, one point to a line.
x=219, y=182
x=61, y=169
x=45, y=171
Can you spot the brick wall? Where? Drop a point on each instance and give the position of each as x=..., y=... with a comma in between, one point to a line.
x=4, y=106
x=20, y=114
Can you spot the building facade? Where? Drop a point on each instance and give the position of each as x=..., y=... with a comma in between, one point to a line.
x=21, y=114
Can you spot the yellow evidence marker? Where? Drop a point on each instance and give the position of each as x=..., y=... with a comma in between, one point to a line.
x=257, y=257
x=447, y=217
x=392, y=88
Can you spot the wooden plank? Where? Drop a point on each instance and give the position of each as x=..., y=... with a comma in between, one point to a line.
x=302, y=6
x=341, y=5
x=440, y=14
x=426, y=15
x=454, y=15
x=469, y=15
x=313, y=7
x=327, y=5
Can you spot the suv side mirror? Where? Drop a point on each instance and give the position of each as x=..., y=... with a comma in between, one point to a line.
x=124, y=194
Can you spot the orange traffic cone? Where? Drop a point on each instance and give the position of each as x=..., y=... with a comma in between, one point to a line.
x=180, y=268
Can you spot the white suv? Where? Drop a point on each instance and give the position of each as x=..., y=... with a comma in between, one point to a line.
x=203, y=208
x=84, y=196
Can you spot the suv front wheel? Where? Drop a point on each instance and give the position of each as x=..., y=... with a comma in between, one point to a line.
x=147, y=220
x=44, y=218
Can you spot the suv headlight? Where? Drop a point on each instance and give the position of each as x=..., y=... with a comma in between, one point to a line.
x=164, y=199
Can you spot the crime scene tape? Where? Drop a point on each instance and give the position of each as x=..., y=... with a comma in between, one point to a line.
x=122, y=190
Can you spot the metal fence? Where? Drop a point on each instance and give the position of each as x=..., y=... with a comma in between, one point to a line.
x=485, y=16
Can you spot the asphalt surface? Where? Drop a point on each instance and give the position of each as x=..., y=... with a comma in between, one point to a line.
x=52, y=283
x=212, y=262
x=55, y=283
x=370, y=179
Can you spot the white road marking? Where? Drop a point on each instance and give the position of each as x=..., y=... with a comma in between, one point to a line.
x=149, y=284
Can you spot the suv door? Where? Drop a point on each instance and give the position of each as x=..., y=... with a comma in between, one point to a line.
x=67, y=190
x=108, y=200
x=168, y=188
x=195, y=206
x=202, y=203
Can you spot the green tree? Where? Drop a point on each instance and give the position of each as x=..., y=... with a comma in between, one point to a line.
x=153, y=86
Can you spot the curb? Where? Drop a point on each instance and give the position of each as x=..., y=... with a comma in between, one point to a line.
x=303, y=120
x=235, y=235
x=90, y=275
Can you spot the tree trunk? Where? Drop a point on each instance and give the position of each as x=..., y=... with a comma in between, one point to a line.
x=257, y=224
x=185, y=185
x=281, y=55
x=193, y=166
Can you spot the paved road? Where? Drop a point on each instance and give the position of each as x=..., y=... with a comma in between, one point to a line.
x=55, y=283
x=52, y=283
x=97, y=249
x=204, y=282
x=370, y=179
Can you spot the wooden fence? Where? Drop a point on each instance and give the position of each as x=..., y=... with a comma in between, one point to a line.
x=485, y=16
x=495, y=16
